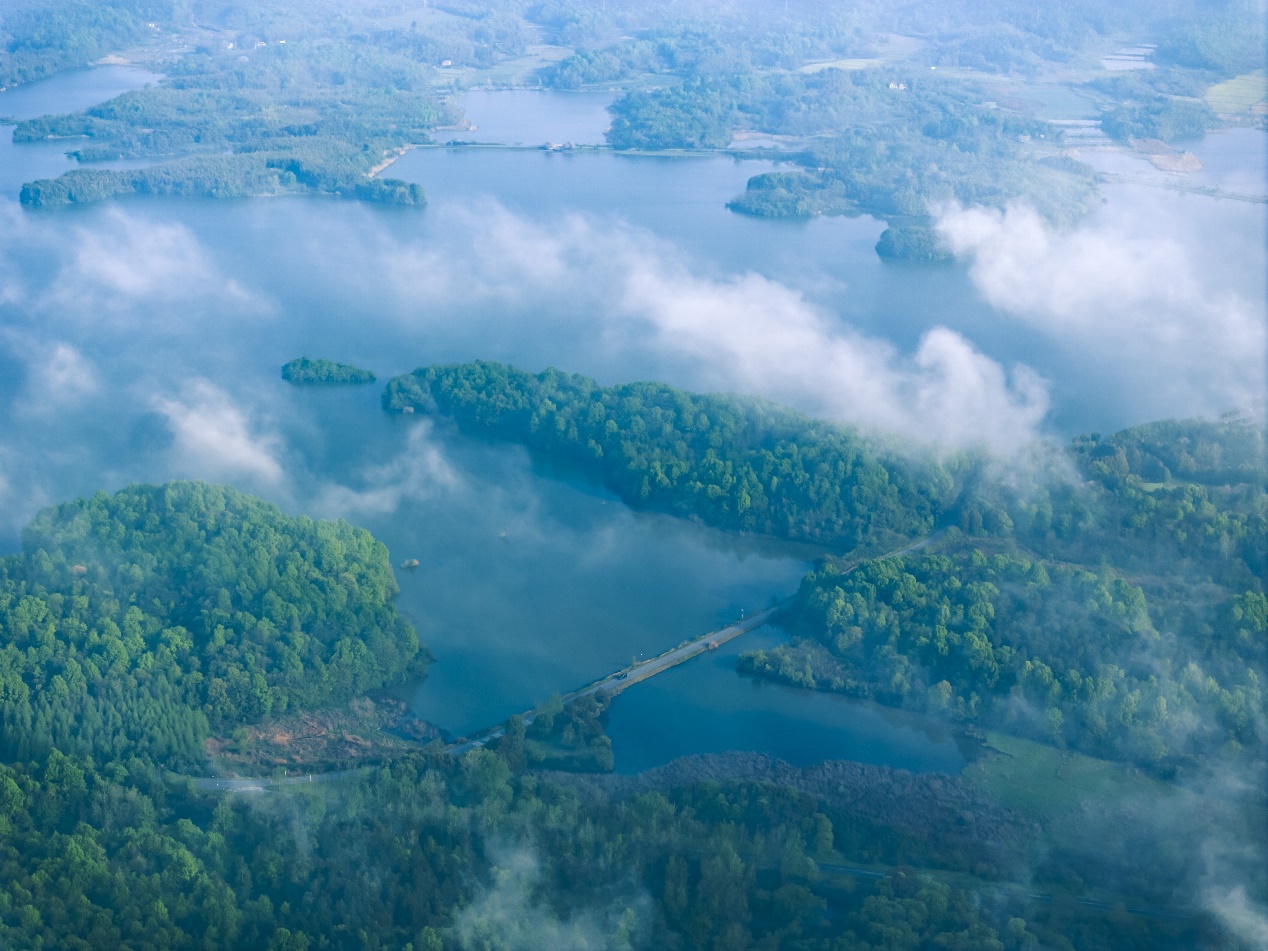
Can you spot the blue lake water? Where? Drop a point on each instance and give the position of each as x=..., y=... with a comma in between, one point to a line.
x=532, y=117
x=72, y=91
x=141, y=340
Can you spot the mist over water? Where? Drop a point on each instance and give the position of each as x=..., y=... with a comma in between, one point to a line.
x=141, y=341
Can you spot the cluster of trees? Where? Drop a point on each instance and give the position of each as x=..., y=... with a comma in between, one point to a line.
x=1124, y=615
x=895, y=155
x=561, y=736
x=631, y=41
x=1160, y=118
x=221, y=176
x=135, y=623
x=1121, y=613
x=717, y=46
x=1227, y=41
x=348, y=87
x=915, y=240
x=733, y=462
x=478, y=36
x=304, y=370
x=1047, y=650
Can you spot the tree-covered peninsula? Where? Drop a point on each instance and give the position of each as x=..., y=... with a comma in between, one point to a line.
x=304, y=370
x=733, y=462
x=1121, y=612
x=867, y=118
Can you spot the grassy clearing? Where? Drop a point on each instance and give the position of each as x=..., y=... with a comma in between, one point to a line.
x=1240, y=94
x=1045, y=781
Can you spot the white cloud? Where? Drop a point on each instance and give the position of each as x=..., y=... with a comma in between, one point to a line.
x=1121, y=297
x=418, y=472
x=756, y=334
x=508, y=915
x=214, y=438
x=603, y=286
x=123, y=269
x=60, y=376
x=129, y=257
x=1240, y=915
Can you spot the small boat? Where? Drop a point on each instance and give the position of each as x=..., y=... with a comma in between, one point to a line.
x=409, y=563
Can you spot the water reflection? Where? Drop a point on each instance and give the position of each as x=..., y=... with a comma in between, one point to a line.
x=714, y=709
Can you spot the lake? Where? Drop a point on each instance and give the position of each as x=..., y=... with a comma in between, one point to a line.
x=141, y=341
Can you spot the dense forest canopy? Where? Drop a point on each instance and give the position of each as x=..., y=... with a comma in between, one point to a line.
x=444, y=855
x=1125, y=616
x=889, y=141
x=137, y=622
x=1092, y=630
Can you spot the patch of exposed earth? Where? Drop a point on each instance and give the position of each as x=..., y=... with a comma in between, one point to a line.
x=367, y=730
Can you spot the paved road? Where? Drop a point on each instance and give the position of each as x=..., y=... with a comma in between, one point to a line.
x=1118, y=179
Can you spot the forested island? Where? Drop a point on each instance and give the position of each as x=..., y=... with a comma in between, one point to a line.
x=267, y=104
x=912, y=241
x=304, y=370
x=215, y=177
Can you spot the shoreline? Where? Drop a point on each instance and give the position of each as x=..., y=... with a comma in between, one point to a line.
x=387, y=162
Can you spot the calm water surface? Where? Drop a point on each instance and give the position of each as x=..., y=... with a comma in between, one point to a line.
x=529, y=117
x=141, y=340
